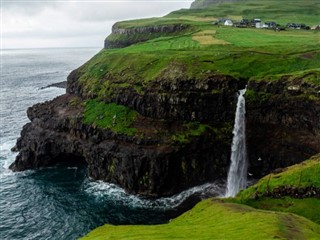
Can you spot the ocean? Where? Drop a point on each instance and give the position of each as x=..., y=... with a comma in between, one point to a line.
x=60, y=202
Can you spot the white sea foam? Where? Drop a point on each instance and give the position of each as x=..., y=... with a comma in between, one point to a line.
x=72, y=168
x=102, y=191
x=6, y=157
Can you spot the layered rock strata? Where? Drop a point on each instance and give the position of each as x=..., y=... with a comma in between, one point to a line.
x=283, y=124
x=153, y=164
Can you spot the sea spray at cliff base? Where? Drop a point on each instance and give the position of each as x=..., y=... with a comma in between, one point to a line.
x=102, y=190
x=237, y=176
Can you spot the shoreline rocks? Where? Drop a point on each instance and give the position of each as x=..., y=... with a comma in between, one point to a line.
x=58, y=85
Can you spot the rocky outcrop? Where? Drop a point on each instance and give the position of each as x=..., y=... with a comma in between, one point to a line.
x=123, y=37
x=283, y=122
x=58, y=85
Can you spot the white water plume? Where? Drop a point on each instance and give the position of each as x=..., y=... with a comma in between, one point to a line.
x=237, y=176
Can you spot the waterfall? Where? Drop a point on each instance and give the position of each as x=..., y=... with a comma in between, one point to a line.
x=237, y=176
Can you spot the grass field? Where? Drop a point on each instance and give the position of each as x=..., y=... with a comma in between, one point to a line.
x=242, y=53
x=205, y=49
x=217, y=220
x=282, y=12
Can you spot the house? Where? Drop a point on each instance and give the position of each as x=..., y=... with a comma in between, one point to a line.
x=228, y=22
x=254, y=21
x=244, y=23
x=261, y=25
x=271, y=24
x=298, y=26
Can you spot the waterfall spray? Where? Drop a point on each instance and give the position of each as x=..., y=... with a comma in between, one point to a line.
x=237, y=176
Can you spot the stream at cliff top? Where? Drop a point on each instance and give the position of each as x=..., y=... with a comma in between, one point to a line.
x=60, y=202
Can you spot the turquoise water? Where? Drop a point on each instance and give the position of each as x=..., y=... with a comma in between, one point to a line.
x=60, y=202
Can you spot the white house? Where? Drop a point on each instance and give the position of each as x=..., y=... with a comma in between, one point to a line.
x=228, y=22
x=261, y=25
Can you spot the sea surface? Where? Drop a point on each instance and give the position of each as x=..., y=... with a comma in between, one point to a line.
x=60, y=202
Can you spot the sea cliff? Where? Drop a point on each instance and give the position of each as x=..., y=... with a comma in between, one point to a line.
x=155, y=113
x=183, y=135
x=169, y=152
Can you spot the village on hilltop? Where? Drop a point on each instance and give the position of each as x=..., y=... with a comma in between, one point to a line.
x=257, y=23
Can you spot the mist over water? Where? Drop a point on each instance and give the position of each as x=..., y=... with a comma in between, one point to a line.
x=60, y=202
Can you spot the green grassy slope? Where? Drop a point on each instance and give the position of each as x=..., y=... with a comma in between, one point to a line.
x=281, y=11
x=303, y=175
x=204, y=49
x=118, y=118
x=300, y=177
x=217, y=220
x=250, y=53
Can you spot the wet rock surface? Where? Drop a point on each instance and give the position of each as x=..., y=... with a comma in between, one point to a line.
x=58, y=85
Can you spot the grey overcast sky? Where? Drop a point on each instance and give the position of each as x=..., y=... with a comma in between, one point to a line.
x=69, y=23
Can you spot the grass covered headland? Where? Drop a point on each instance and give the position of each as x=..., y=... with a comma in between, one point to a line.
x=282, y=205
x=203, y=49
x=233, y=219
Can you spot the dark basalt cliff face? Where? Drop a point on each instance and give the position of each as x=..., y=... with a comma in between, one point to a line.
x=152, y=165
x=283, y=123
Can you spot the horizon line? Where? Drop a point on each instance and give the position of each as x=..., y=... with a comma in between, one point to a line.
x=30, y=48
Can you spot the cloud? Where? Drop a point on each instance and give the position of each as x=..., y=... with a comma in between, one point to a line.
x=72, y=23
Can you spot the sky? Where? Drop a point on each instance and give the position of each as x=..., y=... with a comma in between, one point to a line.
x=70, y=23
